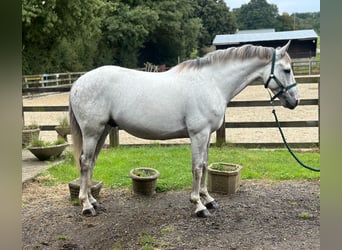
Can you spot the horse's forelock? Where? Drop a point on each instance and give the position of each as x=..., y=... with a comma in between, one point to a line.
x=219, y=56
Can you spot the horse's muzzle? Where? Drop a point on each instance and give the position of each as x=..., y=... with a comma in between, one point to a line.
x=292, y=105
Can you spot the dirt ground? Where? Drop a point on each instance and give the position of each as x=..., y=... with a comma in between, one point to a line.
x=261, y=215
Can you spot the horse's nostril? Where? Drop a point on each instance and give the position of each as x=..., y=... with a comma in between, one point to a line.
x=296, y=104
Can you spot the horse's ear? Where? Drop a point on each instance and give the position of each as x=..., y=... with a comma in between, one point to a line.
x=284, y=48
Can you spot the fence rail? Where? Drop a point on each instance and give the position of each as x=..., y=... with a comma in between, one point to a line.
x=46, y=80
x=300, y=67
x=220, y=134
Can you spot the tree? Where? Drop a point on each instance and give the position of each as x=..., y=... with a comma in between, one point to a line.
x=285, y=22
x=216, y=19
x=308, y=20
x=125, y=29
x=176, y=35
x=59, y=35
x=257, y=14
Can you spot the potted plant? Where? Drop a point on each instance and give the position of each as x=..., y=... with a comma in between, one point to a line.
x=144, y=180
x=74, y=188
x=29, y=132
x=63, y=129
x=224, y=178
x=47, y=150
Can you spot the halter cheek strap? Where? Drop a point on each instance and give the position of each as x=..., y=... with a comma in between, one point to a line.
x=283, y=89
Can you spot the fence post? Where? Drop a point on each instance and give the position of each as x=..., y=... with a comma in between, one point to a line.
x=310, y=65
x=114, y=137
x=42, y=80
x=221, y=134
x=319, y=113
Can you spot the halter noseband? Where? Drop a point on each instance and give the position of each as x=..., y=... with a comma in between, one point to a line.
x=283, y=88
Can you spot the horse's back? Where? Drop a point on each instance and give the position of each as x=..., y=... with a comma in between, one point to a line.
x=147, y=105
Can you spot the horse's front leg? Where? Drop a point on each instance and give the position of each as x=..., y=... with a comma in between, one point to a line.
x=201, y=210
x=208, y=201
x=199, y=148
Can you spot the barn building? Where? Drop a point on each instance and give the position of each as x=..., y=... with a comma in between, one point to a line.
x=303, y=42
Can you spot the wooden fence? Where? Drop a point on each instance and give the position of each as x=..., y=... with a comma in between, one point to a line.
x=46, y=80
x=220, y=134
x=300, y=67
x=306, y=67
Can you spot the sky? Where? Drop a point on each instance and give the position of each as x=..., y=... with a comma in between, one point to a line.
x=289, y=6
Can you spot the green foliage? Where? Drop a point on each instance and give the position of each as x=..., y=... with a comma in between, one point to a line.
x=224, y=168
x=61, y=237
x=59, y=36
x=216, y=19
x=31, y=126
x=257, y=14
x=64, y=122
x=149, y=242
x=125, y=29
x=63, y=35
x=307, y=21
x=176, y=35
x=285, y=22
x=305, y=215
x=143, y=172
x=37, y=142
x=174, y=164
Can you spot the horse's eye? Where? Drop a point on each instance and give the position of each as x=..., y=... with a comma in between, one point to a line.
x=287, y=71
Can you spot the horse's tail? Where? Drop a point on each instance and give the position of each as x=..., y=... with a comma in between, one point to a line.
x=76, y=136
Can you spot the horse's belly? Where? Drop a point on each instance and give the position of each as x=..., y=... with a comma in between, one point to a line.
x=154, y=129
x=156, y=134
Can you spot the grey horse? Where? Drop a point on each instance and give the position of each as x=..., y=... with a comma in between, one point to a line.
x=188, y=101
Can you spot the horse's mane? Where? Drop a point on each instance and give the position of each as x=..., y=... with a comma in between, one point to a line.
x=219, y=56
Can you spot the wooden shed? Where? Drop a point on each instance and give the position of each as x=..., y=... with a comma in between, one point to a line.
x=303, y=42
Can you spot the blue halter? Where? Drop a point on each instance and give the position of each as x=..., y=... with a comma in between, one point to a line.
x=283, y=88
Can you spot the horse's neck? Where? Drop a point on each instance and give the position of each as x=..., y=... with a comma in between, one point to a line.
x=233, y=77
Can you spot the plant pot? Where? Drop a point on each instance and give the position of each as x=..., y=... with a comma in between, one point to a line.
x=63, y=132
x=225, y=181
x=74, y=188
x=28, y=135
x=48, y=152
x=146, y=182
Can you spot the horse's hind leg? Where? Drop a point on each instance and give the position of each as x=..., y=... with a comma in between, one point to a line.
x=99, y=145
x=88, y=158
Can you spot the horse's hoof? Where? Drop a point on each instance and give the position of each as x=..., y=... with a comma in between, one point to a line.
x=212, y=205
x=89, y=212
x=95, y=204
x=203, y=213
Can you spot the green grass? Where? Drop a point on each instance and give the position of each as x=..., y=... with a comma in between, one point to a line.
x=174, y=164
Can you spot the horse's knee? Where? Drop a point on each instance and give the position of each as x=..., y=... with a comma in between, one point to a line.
x=85, y=162
x=198, y=169
x=197, y=173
